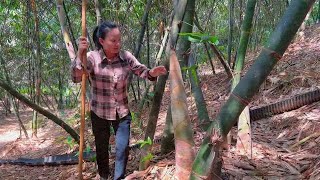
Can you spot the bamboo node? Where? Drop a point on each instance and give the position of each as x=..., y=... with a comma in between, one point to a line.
x=241, y=100
x=273, y=53
x=216, y=138
x=198, y=175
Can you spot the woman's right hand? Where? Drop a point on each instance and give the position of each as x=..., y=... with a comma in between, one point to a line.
x=83, y=45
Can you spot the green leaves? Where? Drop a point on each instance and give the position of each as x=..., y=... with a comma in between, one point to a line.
x=148, y=157
x=192, y=70
x=151, y=94
x=23, y=90
x=142, y=143
x=88, y=149
x=70, y=142
x=146, y=142
x=133, y=116
x=197, y=37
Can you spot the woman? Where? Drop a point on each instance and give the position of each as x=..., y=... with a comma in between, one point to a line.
x=108, y=68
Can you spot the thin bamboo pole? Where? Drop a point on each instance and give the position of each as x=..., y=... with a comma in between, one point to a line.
x=83, y=88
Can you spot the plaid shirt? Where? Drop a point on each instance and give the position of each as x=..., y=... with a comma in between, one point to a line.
x=109, y=80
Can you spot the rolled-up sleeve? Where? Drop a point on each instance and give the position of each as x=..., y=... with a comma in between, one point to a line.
x=137, y=68
x=77, y=68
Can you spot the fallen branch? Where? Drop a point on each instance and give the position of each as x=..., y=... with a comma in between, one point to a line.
x=40, y=110
x=305, y=139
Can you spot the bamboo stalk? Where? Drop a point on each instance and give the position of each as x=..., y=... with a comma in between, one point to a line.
x=205, y=161
x=83, y=89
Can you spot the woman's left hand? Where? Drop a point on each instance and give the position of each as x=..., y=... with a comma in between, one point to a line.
x=158, y=71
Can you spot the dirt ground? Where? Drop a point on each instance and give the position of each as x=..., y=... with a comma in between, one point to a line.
x=277, y=153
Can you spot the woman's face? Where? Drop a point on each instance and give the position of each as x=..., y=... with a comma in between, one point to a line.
x=112, y=42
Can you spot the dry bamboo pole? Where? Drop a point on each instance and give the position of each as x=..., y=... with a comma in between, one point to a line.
x=83, y=89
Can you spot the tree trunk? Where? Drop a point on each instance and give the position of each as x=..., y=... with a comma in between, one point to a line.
x=222, y=61
x=159, y=89
x=183, y=45
x=248, y=86
x=245, y=34
x=181, y=122
x=11, y=100
x=244, y=143
x=38, y=68
x=17, y=114
x=66, y=36
x=61, y=90
x=179, y=10
x=240, y=12
x=64, y=30
x=138, y=88
x=70, y=27
x=148, y=45
x=32, y=54
x=196, y=23
x=153, y=117
x=138, y=45
x=39, y=109
x=167, y=142
x=29, y=50
x=216, y=51
x=6, y=104
x=203, y=116
x=209, y=57
x=145, y=97
x=98, y=11
x=163, y=44
x=252, y=39
x=148, y=52
x=52, y=91
x=318, y=21
x=144, y=24
x=230, y=36
x=118, y=11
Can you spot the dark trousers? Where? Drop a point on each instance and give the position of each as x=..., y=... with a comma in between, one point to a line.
x=101, y=131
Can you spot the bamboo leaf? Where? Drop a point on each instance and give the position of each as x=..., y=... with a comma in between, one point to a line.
x=88, y=149
x=214, y=40
x=149, y=142
x=151, y=94
x=148, y=157
x=197, y=37
x=194, y=39
x=145, y=142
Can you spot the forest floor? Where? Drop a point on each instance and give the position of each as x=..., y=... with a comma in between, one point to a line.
x=273, y=156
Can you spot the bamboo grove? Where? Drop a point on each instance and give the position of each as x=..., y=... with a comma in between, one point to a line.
x=38, y=39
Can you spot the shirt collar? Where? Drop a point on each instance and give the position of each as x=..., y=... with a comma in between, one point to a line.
x=104, y=58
